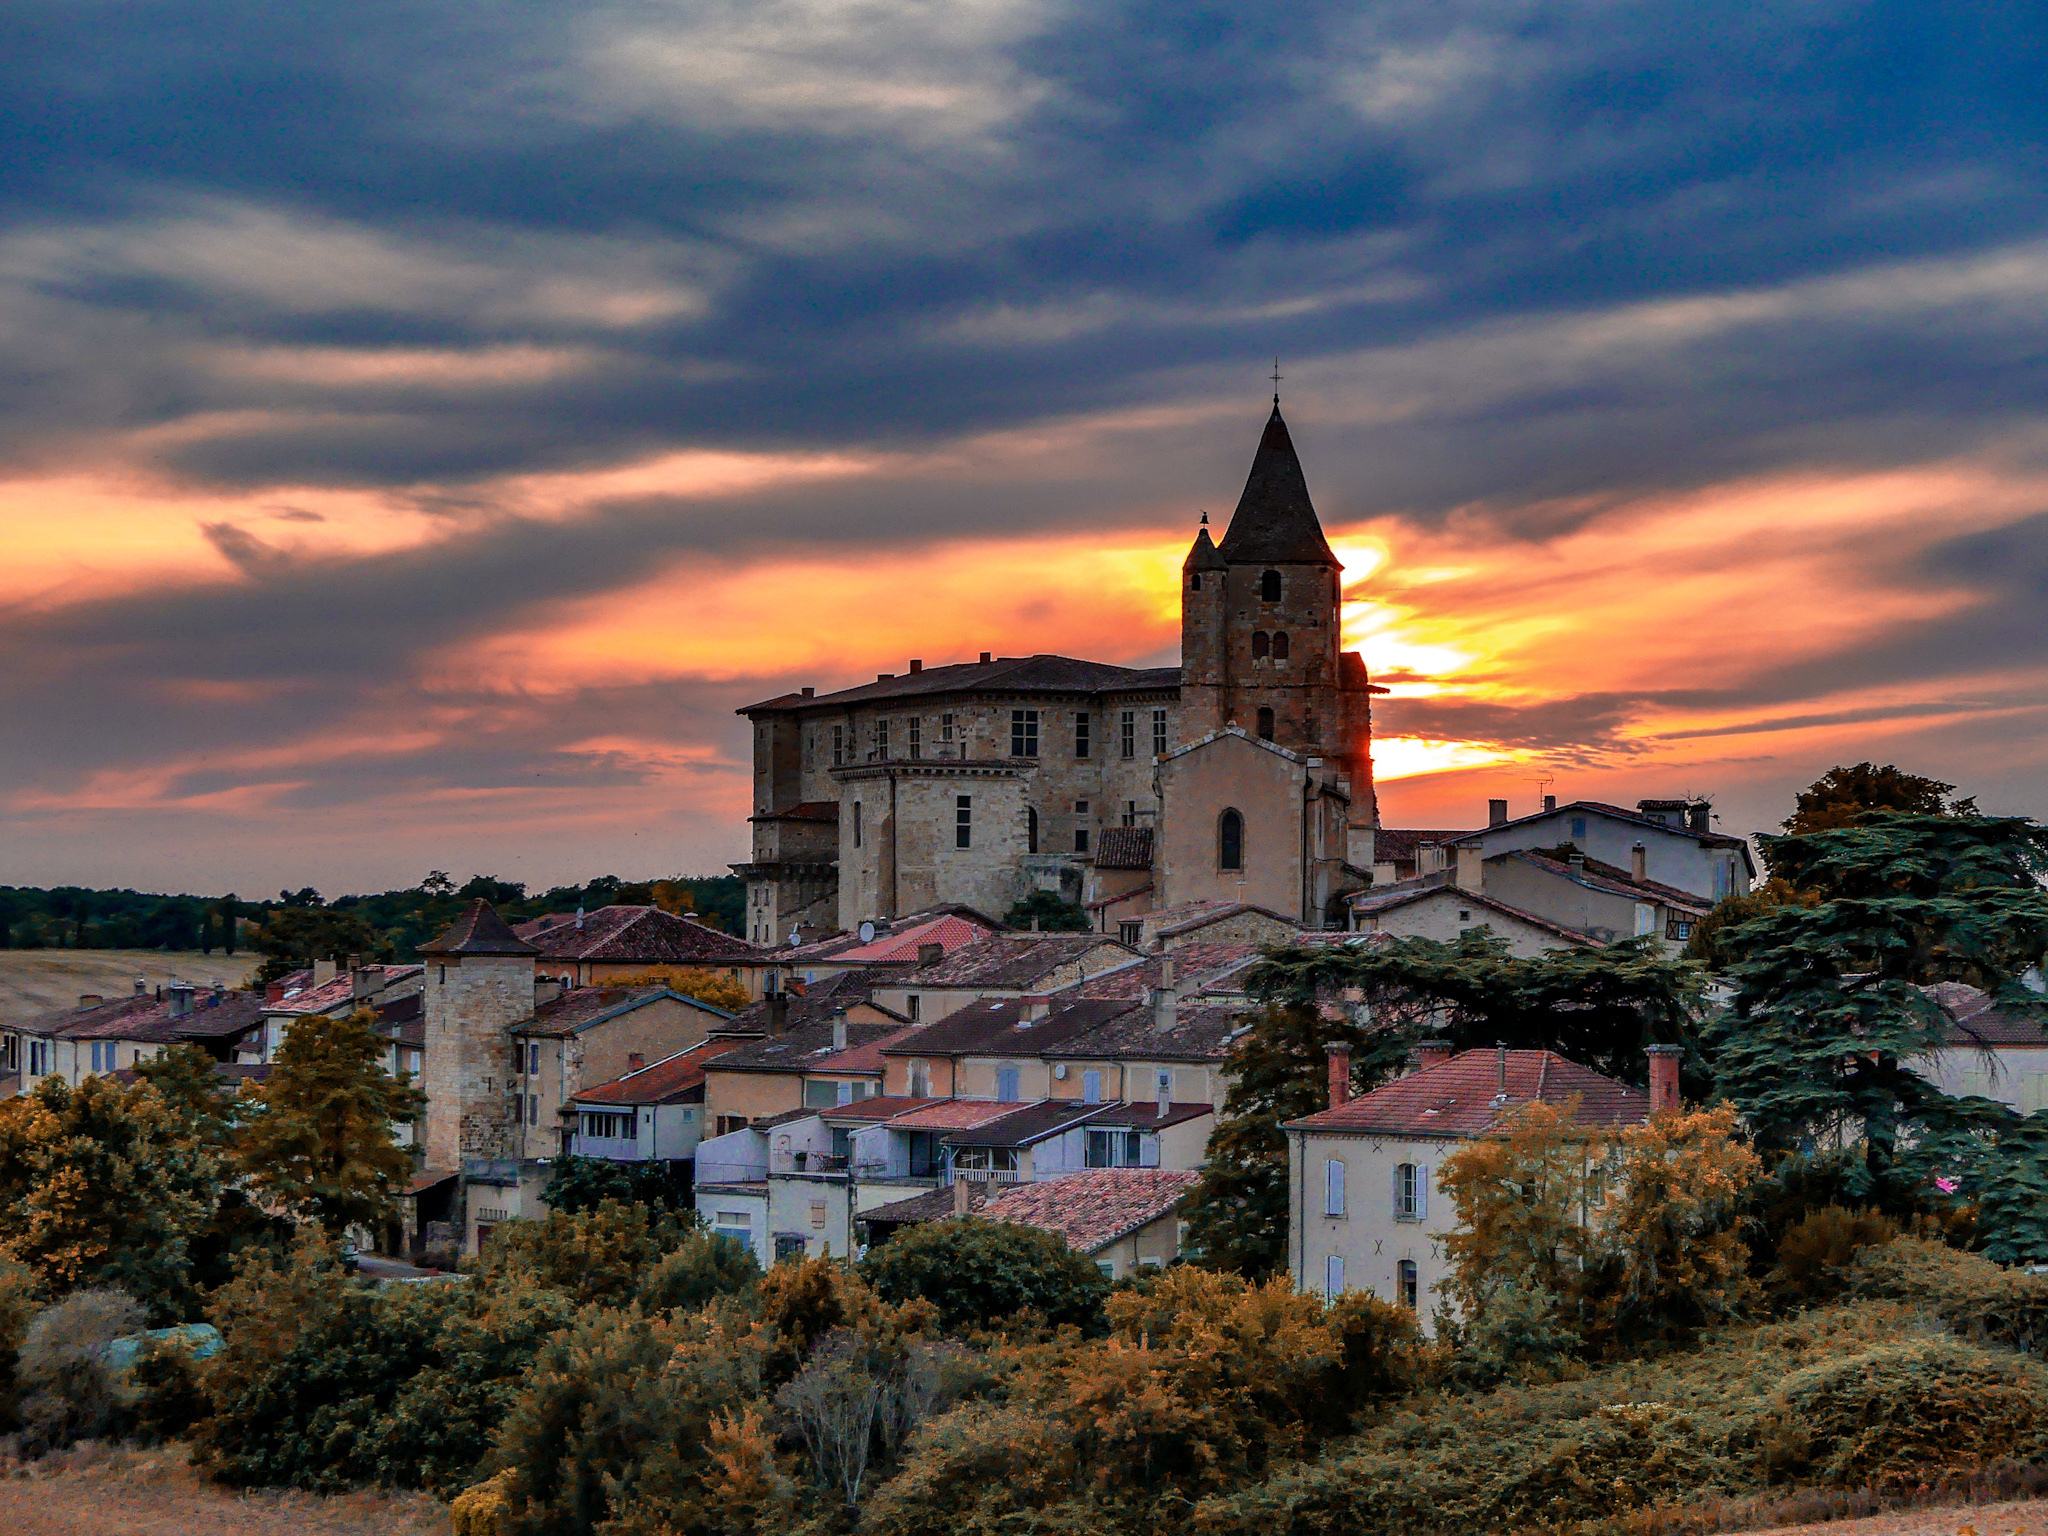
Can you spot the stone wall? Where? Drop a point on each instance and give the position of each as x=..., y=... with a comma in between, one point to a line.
x=470, y=1003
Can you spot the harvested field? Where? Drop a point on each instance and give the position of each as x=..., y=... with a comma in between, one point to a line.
x=91, y=1491
x=34, y=981
x=2025, y=1517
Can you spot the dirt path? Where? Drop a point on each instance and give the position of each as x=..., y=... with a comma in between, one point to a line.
x=128, y=1493
x=2027, y=1517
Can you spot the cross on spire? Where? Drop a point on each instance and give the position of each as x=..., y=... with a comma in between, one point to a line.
x=1277, y=376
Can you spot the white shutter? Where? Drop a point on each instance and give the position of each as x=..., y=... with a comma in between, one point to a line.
x=1333, y=1268
x=1421, y=1191
x=1333, y=1188
x=1396, y=1205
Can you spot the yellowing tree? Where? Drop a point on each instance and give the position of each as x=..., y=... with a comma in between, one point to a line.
x=705, y=986
x=317, y=1138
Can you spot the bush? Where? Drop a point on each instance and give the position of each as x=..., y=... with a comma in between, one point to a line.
x=20, y=1300
x=69, y=1394
x=978, y=1273
x=602, y=1255
x=1976, y=1298
x=704, y=1268
x=585, y=1183
x=1814, y=1254
x=166, y=1390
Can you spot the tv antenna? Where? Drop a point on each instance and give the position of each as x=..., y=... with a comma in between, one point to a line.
x=1542, y=783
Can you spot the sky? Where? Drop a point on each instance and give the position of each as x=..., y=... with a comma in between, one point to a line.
x=421, y=426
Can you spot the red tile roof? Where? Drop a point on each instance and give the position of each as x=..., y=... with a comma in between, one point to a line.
x=1021, y=961
x=1092, y=1210
x=951, y=1115
x=1124, y=848
x=671, y=1080
x=865, y=1057
x=1978, y=1022
x=948, y=932
x=627, y=935
x=1465, y=1097
x=581, y=1008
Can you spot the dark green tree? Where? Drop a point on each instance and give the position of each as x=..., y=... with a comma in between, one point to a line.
x=1841, y=797
x=184, y=1076
x=293, y=937
x=584, y=1183
x=1054, y=915
x=1831, y=1024
x=979, y=1272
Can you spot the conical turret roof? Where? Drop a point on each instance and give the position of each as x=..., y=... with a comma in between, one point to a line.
x=1204, y=556
x=479, y=931
x=1275, y=523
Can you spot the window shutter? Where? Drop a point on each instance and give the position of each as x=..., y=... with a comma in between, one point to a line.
x=1333, y=1270
x=1396, y=1207
x=1421, y=1191
x=1333, y=1188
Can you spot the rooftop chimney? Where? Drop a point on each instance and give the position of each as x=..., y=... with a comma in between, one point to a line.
x=90, y=999
x=884, y=677
x=635, y=1061
x=1340, y=1073
x=838, y=1029
x=985, y=658
x=1496, y=812
x=916, y=666
x=810, y=692
x=1431, y=1053
x=778, y=1012
x=1500, y=1066
x=961, y=1189
x=323, y=972
x=1664, y=1060
x=355, y=962
x=1639, y=863
x=1576, y=859
x=1549, y=803
x=1165, y=1092
x=1036, y=1007
x=181, y=996
x=1471, y=874
x=1697, y=816
x=930, y=953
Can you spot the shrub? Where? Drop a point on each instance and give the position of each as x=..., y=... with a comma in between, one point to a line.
x=1814, y=1254
x=1908, y=1414
x=1978, y=1299
x=584, y=1183
x=704, y=1268
x=978, y=1273
x=20, y=1300
x=167, y=1394
x=69, y=1394
x=600, y=1255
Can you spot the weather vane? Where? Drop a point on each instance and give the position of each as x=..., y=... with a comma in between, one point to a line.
x=1276, y=380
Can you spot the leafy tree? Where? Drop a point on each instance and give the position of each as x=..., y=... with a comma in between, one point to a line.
x=104, y=1186
x=584, y=1183
x=603, y=1254
x=294, y=936
x=1054, y=914
x=1709, y=942
x=977, y=1273
x=1830, y=1025
x=705, y=986
x=318, y=1134
x=1842, y=797
x=1236, y=1217
x=196, y=1094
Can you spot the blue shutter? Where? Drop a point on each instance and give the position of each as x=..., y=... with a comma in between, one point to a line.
x=1421, y=1191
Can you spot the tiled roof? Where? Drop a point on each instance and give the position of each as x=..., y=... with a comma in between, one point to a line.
x=951, y=1115
x=804, y=810
x=866, y=1059
x=1092, y=1210
x=671, y=1080
x=813, y=1003
x=1118, y=899
x=1146, y=1116
x=1026, y=1123
x=1195, y=967
x=932, y=1205
x=1005, y=674
x=997, y=1027
x=801, y=1050
x=479, y=931
x=1275, y=522
x=1371, y=903
x=580, y=1008
x=1202, y=1031
x=1464, y=1097
x=1978, y=1022
x=1399, y=845
x=948, y=932
x=626, y=935
x=1019, y=960
x=833, y=945
x=1606, y=877
x=1202, y=914
x=149, y=1019
x=871, y=1110
x=1123, y=848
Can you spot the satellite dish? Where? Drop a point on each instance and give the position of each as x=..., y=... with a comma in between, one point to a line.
x=867, y=933
x=1059, y=1070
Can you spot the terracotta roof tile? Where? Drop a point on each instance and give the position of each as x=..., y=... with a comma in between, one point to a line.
x=951, y=1115
x=1005, y=674
x=628, y=935
x=948, y=932
x=1021, y=961
x=1026, y=1123
x=580, y=1008
x=1202, y=1031
x=479, y=931
x=672, y=1080
x=1124, y=848
x=1464, y=1097
x=1092, y=1210
x=802, y=1050
x=1979, y=1023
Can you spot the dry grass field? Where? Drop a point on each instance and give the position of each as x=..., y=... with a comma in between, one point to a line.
x=2026, y=1517
x=33, y=981
x=89, y=1491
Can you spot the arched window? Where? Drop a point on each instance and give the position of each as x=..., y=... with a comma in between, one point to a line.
x=1265, y=725
x=1269, y=587
x=1261, y=644
x=1195, y=582
x=1031, y=829
x=1230, y=841
x=1280, y=645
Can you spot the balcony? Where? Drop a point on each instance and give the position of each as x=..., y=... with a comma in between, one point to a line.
x=986, y=1176
x=808, y=1163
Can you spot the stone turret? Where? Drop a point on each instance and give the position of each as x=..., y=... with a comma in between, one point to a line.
x=479, y=983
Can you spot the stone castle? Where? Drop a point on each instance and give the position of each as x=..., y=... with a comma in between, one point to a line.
x=1244, y=774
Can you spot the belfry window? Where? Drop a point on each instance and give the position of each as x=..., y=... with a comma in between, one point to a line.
x=1265, y=725
x=1262, y=644
x=1269, y=587
x=1279, y=645
x=1195, y=582
x=1230, y=841
x=963, y=821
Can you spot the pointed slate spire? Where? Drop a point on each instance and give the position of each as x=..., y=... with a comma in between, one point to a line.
x=479, y=931
x=1203, y=556
x=1275, y=523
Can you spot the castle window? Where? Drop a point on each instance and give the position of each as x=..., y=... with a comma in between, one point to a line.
x=1030, y=829
x=1269, y=587
x=1195, y=582
x=1080, y=839
x=1080, y=807
x=945, y=727
x=1261, y=644
x=1081, y=733
x=963, y=821
x=1023, y=733
x=1405, y=1283
x=1127, y=732
x=913, y=730
x=882, y=740
x=838, y=745
x=1265, y=725
x=856, y=823
x=1159, y=733
x=1280, y=645
x=1130, y=813
x=1230, y=841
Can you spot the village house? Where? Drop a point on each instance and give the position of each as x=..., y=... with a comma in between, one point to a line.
x=784, y=1069
x=587, y=949
x=1003, y=965
x=1366, y=1211
x=100, y=1037
x=881, y=944
x=1435, y=908
x=1124, y=1219
x=654, y=1112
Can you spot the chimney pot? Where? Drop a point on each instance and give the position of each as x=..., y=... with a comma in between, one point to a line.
x=916, y=666
x=838, y=1029
x=930, y=953
x=1340, y=1073
x=985, y=657
x=1639, y=863
x=1036, y=1007
x=960, y=1195
x=90, y=999
x=1500, y=1064
x=1549, y=803
x=1430, y=1053
x=883, y=677
x=1664, y=1063
x=810, y=692
x=1496, y=812
x=778, y=1012
x=1698, y=815
x=355, y=962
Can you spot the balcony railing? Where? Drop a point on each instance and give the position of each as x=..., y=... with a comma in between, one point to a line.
x=987, y=1176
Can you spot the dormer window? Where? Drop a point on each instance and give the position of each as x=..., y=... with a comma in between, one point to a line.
x=1269, y=587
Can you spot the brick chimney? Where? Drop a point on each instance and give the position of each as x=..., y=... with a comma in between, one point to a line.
x=838, y=1029
x=1639, y=863
x=778, y=1012
x=1036, y=1007
x=1165, y=998
x=930, y=954
x=635, y=1061
x=1340, y=1073
x=1431, y=1053
x=1664, y=1062
x=323, y=972
x=1549, y=803
x=1496, y=812
x=1471, y=873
